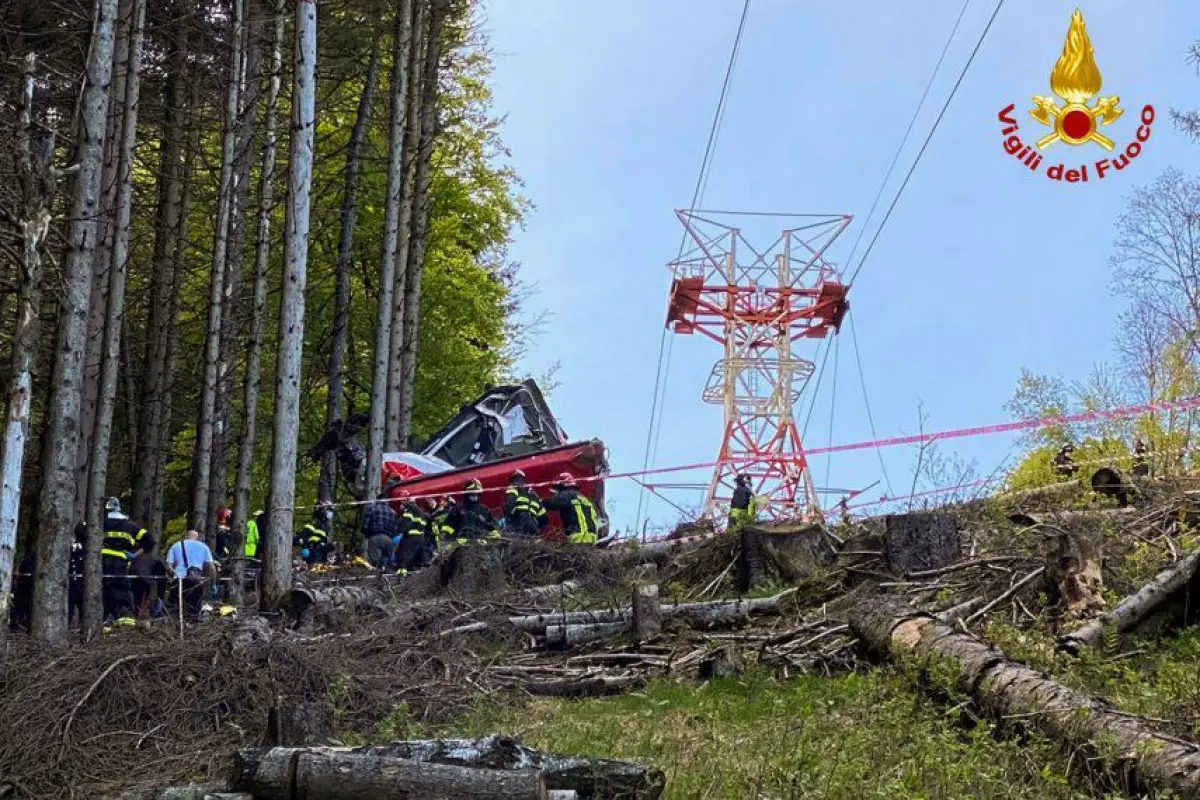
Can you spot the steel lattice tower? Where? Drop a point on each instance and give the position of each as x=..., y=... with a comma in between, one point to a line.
x=761, y=306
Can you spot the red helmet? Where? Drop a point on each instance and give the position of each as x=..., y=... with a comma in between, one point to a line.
x=566, y=480
x=223, y=516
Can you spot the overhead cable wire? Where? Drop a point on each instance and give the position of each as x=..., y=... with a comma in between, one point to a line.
x=657, y=404
x=867, y=401
x=908, y=131
x=945, y=107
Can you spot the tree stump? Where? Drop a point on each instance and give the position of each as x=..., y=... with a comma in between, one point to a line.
x=475, y=570
x=299, y=724
x=647, y=614
x=920, y=541
x=789, y=554
x=723, y=662
x=1073, y=578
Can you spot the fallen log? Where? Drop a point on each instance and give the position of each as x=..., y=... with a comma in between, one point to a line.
x=572, y=635
x=554, y=593
x=1133, y=610
x=713, y=611
x=284, y=773
x=305, y=601
x=1007, y=689
x=598, y=686
x=588, y=777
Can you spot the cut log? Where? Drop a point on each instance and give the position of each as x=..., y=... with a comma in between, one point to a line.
x=565, y=636
x=585, y=687
x=647, y=614
x=714, y=611
x=552, y=594
x=304, y=603
x=1007, y=690
x=1133, y=610
x=590, y=778
x=340, y=774
x=1073, y=578
x=920, y=541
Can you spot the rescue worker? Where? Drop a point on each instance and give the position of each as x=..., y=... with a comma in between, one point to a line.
x=743, y=508
x=254, y=525
x=314, y=537
x=1141, y=468
x=224, y=535
x=122, y=537
x=75, y=577
x=580, y=521
x=379, y=527
x=471, y=519
x=524, y=515
x=439, y=524
x=1064, y=463
x=416, y=535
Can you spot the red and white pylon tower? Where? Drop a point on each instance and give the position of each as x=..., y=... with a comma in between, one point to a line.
x=761, y=306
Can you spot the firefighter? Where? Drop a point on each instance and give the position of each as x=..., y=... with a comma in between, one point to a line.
x=524, y=515
x=579, y=517
x=743, y=508
x=471, y=520
x=416, y=535
x=1141, y=469
x=1064, y=463
x=439, y=524
x=122, y=539
x=314, y=536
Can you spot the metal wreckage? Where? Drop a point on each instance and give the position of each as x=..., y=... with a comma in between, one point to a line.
x=506, y=429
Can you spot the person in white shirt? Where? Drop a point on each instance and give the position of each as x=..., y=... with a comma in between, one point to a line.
x=192, y=562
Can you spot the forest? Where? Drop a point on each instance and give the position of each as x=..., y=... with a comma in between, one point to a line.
x=225, y=225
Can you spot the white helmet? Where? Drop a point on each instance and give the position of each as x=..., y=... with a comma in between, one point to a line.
x=113, y=504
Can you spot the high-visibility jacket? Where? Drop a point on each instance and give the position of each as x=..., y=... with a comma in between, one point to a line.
x=252, y=536
x=443, y=531
x=413, y=521
x=316, y=540
x=122, y=536
x=579, y=517
x=472, y=521
x=523, y=511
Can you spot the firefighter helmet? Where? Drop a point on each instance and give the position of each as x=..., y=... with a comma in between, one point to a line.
x=474, y=486
x=565, y=480
x=113, y=505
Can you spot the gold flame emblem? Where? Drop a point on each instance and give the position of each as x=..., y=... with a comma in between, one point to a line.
x=1076, y=79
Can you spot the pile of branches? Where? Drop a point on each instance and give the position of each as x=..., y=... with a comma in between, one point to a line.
x=137, y=709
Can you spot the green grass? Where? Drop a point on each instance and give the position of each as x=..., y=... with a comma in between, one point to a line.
x=866, y=735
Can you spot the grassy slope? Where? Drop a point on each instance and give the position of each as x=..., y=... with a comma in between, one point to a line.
x=864, y=735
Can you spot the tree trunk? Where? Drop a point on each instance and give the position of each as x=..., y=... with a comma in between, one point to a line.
x=262, y=258
x=412, y=139
x=248, y=100
x=341, y=303
x=1135, y=608
x=57, y=508
x=277, y=568
x=387, y=268
x=416, y=262
x=702, y=613
x=1008, y=689
x=590, y=777
x=36, y=181
x=285, y=773
x=115, y=309
x=202, y=459
x=154, y=418
x=98, y=312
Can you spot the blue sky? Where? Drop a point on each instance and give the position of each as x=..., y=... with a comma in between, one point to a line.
x=984, y=267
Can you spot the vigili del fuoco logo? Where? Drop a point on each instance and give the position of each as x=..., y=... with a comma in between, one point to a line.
x=1078, y=121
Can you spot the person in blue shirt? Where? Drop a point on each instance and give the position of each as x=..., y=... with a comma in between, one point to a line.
x=192, y=562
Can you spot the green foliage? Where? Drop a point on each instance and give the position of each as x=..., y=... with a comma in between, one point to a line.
x=858, y=735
